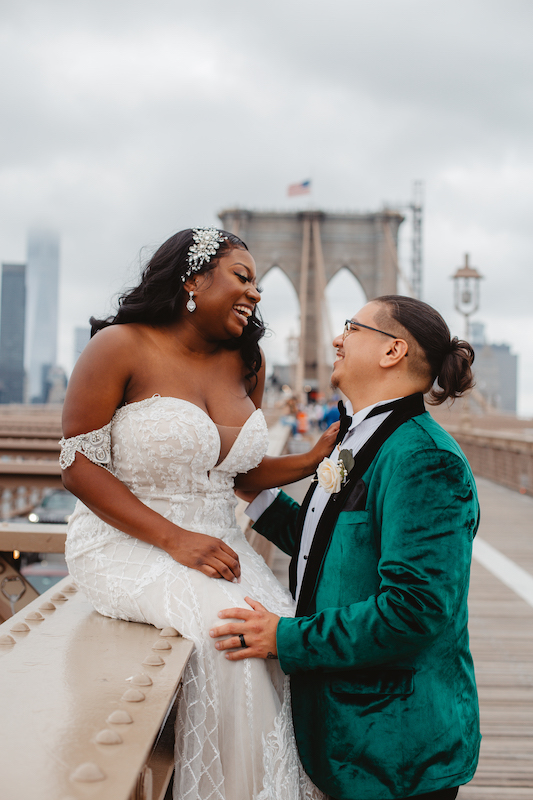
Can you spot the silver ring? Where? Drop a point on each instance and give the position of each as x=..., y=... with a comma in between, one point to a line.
x=241, y=637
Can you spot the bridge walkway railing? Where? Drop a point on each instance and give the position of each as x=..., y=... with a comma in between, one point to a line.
x=503, y=457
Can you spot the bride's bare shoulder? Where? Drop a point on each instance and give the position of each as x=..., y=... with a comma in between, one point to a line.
x=101, y=376
x=119, y=335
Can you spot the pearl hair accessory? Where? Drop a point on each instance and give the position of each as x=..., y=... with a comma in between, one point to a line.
x=206, y=243
x=191, y=305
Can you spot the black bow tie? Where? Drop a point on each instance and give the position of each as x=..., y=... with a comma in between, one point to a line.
x=346, y=421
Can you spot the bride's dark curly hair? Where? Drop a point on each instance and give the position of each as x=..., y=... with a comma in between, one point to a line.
x=158, y=299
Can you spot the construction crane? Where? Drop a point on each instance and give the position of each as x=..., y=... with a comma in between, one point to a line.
x=416, y=244
x=413, y=284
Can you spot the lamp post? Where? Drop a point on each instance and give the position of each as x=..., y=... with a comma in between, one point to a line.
x=466, y=300
x=466, y=292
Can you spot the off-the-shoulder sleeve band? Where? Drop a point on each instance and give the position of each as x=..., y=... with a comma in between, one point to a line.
x=95, y=445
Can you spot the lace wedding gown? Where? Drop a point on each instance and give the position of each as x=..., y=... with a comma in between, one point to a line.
x=234, y=737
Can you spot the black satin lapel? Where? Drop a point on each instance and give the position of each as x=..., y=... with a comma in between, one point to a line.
x=356, y=499
x=320, y=545
x=299, y=528
x=403, y=410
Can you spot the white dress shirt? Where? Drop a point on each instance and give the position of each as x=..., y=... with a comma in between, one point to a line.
x=356, y=436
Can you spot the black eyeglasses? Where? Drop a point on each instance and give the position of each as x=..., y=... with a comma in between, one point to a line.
x=349, y=326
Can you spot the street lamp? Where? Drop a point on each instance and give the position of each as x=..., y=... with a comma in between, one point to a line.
x=466, y=300
x=466, y=294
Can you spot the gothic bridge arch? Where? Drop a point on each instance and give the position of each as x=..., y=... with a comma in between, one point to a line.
x=310, y=247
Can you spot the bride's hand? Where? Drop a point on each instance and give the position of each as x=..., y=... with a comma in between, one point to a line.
x=325, y=444
x=207, y=554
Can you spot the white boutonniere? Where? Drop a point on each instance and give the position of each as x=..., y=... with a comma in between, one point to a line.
x=332, y=475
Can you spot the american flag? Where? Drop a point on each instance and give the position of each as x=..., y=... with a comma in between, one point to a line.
x=304, y=187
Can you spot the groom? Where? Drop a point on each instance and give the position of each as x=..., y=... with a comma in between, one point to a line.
x=382, y=681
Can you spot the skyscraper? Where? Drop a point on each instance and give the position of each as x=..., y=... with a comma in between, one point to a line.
x=42, y=305
x=12, y=321
x=495, y=370
x=81, y=338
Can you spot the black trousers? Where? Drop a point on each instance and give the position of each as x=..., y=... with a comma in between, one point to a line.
x=442, y=794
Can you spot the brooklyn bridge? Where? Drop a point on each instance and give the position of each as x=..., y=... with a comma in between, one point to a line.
x=64, y=667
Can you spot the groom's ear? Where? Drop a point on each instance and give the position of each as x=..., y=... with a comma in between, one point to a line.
x=397, y=351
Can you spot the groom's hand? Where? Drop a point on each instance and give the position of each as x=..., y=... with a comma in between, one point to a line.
x=258, y=627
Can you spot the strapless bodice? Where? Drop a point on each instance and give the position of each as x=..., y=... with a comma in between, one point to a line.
x=167, y=449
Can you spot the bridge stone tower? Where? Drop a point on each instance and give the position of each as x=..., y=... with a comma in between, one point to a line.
x=310, y=247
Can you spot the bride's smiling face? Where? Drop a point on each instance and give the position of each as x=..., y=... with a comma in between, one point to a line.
x=227, y=295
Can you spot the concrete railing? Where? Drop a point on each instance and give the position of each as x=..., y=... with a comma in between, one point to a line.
x=87, y=703
x=505, y=458
x=26, y=537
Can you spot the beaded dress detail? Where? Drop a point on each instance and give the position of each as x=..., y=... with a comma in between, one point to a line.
x=234, y=737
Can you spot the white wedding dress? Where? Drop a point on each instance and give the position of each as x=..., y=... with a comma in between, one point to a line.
x=234, y=737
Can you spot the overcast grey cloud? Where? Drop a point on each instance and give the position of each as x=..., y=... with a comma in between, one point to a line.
x=122, y=122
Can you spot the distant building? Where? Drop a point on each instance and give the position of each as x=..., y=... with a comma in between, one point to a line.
x=12, y=325
x=55, y=385
x=81, y=338
x=496, y=371
x=42, y=311
x=282, y=375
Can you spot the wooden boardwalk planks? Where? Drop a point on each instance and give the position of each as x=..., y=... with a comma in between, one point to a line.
x=501, y=637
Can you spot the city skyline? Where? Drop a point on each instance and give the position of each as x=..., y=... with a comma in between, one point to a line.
x=207, y=106
x=29, y=371
x=496, y=367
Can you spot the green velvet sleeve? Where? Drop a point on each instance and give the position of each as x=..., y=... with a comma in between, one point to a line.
x=278, y=522
x=429, y=516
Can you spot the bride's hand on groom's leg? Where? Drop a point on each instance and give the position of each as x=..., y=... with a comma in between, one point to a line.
x=254, y=633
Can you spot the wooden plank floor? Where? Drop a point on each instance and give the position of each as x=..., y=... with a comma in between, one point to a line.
x=501, y=635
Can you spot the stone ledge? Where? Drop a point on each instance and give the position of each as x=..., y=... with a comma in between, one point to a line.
x=62, y=679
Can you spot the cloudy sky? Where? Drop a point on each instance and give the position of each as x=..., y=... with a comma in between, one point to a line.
x=122, y=121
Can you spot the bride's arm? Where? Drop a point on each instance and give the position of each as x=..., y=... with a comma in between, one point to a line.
x=280, y=470
x=95, y=390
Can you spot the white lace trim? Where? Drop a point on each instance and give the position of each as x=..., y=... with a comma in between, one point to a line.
x=136, y=404
x=284, y=775
x=95, y=445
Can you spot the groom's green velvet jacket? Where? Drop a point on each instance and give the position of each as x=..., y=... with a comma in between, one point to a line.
x=383, y=689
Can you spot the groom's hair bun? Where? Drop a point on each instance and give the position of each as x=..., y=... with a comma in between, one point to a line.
x=447, y=362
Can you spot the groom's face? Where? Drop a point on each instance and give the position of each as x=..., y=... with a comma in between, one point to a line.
x=359, y=351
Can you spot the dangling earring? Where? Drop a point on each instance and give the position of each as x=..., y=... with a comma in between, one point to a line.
x=191, y=305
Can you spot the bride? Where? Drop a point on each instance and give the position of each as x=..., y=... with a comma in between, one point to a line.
x=162, y=412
